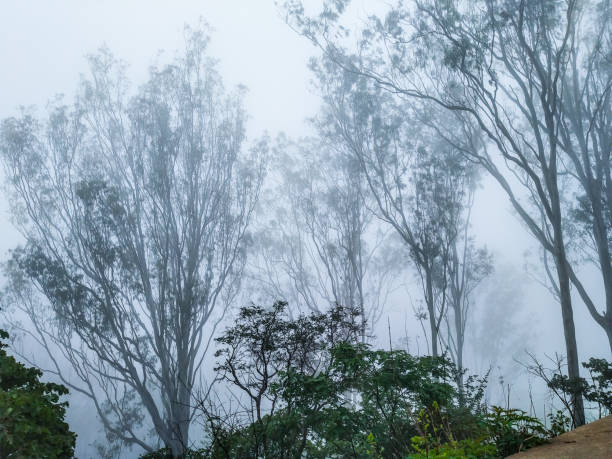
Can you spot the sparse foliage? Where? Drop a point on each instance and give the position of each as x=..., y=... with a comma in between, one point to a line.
x=500, y=67
x=135, y=208
x=321, y=245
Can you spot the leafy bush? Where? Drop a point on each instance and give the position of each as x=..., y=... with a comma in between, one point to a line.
x=497, y=433
x=166, y=453
x=559, y=423
x=437, y=437
x=31, y=416
x=391, y=387
x=468, y=449
x=513, y=430
x=315, y=389
x=600, y=389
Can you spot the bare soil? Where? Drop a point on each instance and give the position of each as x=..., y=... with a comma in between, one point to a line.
x=592, y=441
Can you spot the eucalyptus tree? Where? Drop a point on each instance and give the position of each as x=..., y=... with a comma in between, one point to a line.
x=584, y=122
x=500, y=64
x=135, y=207
x=420, y=182
x=469, y=266
x=321, y=245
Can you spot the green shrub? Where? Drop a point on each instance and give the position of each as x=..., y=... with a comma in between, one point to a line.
x=331, y=396
x=597, y=389
x=513, y=431
x=600, y=389
x=305, y=369
x=438, y=439
x=468, y=449
x=31, y=416
x=498, y=433
x=166, y=453
x=559, y=423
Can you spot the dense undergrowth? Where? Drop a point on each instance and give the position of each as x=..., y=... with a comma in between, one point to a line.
x=310, y=387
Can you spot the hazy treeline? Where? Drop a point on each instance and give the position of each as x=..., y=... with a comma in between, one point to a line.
x=149, y=217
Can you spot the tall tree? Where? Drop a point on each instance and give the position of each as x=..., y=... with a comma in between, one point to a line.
x=584, y=122
x=135, y=210
x=497, y=63
x=315, y=244
x=419, y=181
x=469, y=266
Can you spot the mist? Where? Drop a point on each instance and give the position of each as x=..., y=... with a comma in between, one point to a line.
x=297, y=210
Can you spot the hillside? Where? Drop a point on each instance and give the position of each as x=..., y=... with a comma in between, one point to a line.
x=592, y=441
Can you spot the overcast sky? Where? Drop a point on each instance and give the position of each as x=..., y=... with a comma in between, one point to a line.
x=42, y=50
x=45, y=43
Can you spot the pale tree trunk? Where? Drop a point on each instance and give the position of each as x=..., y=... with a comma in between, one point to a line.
x=181, y=414
x=431, y=309
x=567, y=313
x=460, y=341
x=179, y=440
x=573, y=368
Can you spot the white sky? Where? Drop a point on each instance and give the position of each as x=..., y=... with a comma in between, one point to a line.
x=42, y=49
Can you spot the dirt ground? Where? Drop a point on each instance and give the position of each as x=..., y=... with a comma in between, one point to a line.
x=592, y=441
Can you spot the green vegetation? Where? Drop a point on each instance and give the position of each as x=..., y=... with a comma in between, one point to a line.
x=31, y=415
x=146, y=212
x=309, y=387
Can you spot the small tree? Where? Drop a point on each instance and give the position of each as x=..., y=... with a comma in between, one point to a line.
x=31, y=415
x=278, y=364
x=469, y=266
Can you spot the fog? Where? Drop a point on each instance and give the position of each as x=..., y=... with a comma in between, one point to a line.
x=43, y=52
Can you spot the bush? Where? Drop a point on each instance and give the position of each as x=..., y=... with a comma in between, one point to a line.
x=514, y=431
x=597, y=388
x=437, y=438
x=559, y=423
x=468, y=449
x=498, y=433
x=166, y=453
x=31, y=416
x=328, y=395
x=600, y=389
